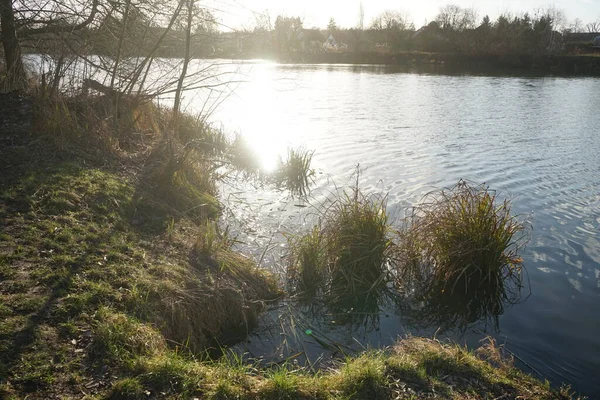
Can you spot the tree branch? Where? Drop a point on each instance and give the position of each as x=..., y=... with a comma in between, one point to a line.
x=54, y=28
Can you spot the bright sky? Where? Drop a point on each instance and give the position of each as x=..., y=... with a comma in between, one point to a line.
x=316, y=13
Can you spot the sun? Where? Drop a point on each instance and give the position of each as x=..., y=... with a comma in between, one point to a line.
x=258, y=111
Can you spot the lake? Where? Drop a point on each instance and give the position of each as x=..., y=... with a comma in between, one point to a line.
x=534, y=139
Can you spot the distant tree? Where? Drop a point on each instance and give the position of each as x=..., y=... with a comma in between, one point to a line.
x=204, y=21
x=485, y=23
x=262, y=22
x=332, y=26
x=392, y=20
x=455, y=18
x=286, y=32
x=433, y=26
x=526, y=21
x=502, y=24
x=593, y=27
x=576, y=26
x=511, y=35
x=546, y=25
x=553, y=16
x=361, y=16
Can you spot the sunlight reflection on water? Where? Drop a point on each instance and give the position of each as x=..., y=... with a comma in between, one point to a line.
x=263, y=134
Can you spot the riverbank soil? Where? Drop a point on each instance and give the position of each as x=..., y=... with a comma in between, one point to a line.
x=111, y=288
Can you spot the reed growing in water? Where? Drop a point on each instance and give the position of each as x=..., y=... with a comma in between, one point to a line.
x=295, y=173
x=346, y=254
x=459, y=252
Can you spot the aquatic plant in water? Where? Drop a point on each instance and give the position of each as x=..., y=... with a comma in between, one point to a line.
x=346, y=254
x=459, y=254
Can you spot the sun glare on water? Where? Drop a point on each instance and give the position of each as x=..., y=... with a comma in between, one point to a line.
x=258, y=111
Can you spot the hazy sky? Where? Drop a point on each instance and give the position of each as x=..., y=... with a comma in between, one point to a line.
x=317, y=12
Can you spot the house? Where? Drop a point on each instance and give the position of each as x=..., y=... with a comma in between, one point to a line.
x=330, y=41
x=596, y=41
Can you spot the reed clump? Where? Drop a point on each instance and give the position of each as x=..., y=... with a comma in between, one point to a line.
x=346, y=254
x=294, y=173
x=459, y=253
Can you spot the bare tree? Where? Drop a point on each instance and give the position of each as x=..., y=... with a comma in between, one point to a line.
x=28, y=19
x=593, y=27
x=143, y=66
x=262, y=22
x=186, y=59
x=120, y=45
x=361, y=16
x=392, y=20
x=576, y=26
x=455, y=18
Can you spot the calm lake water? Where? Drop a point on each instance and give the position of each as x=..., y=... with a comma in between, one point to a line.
x=536, y=140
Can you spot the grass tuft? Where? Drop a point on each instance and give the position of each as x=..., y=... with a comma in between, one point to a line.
x=127, y=389
x=365, y=377
x=346, y=255
x=460, y=251
x=294, y=173
x=308, y=260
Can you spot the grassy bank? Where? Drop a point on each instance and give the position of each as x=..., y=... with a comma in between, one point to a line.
x=115, y=281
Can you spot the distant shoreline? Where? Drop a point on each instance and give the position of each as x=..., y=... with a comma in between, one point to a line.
x=436, y=63
x=586, y=65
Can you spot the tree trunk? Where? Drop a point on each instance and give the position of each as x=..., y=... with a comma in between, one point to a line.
x=186, y=61
x=15, y=71
x=120, y=47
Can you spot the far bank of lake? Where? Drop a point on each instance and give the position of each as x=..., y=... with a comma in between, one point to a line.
x=513, y=64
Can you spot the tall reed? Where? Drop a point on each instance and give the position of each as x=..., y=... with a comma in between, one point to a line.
x=346, y=254
x=460, y=252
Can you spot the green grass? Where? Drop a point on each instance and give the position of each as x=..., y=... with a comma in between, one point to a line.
x=87, y=277
x=127, y=389
x=346, y=254
x=460, y=250
x=365, y=377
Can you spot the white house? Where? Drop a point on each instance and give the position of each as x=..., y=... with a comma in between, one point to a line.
x=330, y=41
